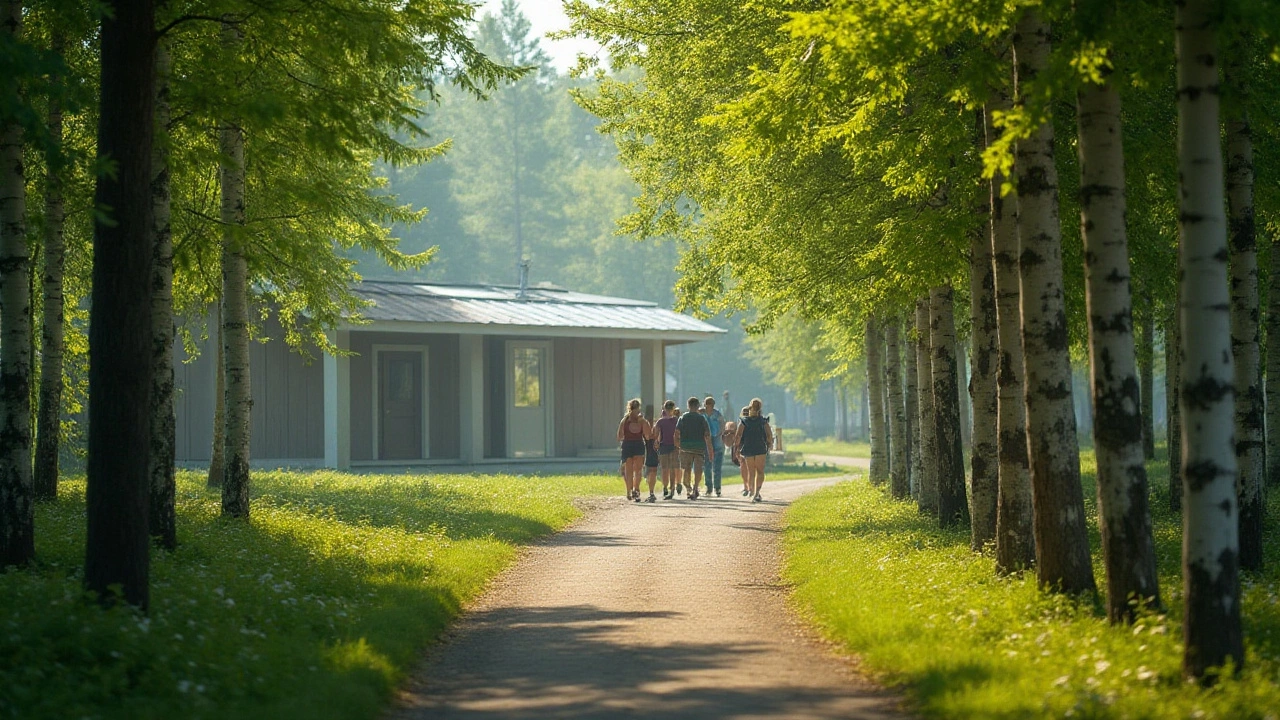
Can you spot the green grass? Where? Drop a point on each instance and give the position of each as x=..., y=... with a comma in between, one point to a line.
x=317, y=608
x=829, y=446
x=930, y=617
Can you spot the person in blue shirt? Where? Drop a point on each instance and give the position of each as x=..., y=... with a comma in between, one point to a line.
x=715, y=420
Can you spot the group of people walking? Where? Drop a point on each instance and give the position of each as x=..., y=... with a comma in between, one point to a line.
x=689, y=447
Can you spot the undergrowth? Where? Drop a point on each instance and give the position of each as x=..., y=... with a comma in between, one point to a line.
x=926, y=614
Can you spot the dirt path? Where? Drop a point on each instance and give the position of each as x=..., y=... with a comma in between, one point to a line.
x=670, y=610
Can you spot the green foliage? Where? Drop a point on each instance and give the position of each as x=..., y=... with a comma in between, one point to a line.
x=834, y=448
x=315, y=609
x=926, y=614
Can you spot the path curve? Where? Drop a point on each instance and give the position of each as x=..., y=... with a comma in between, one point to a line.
x=670, y=610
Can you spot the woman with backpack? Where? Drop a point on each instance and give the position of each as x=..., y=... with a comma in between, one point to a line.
x=754, y=438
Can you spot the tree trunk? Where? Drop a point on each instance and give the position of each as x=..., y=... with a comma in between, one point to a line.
x=875, y=378
x=1147, y=377
x=49, y=412
x=17, y=494
x=235, y=323
x=1273, y=366
x=163, y=419
x=1211, y=571
x=899, y=480
x=1015, y=543
x=116, y=545
x=864, y=413
x=1062, y=539
x=962, y=393
x=1128, y=548
x=927, y=501
x=1172, y=381
x=913, y=414
x=1249, y=410
x=217, y=453
x=984, y=343
x=953, y=506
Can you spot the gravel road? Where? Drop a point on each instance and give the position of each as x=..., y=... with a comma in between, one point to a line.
x=671, y=610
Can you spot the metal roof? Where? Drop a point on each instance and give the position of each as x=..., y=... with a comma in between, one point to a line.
x=547, y=310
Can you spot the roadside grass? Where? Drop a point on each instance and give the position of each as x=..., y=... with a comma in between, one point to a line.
x=828, y=446
x=929, y=616
x=315, y=609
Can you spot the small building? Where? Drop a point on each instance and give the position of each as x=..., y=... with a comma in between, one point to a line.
x=447, y=374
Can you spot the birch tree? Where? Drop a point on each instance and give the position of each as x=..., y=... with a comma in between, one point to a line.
x=1062, y=541
x=17, y=495
x=1128, y=548
x=985, y=347
x=1212, y=632
x=927, y=501
x=1249, y=411
x=912, y=352
x=899, y=481
x=953, y=508
x=1173, y=381
x=875, y=379
x=163, y=520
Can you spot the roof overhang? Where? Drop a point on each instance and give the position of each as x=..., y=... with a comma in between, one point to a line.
x=670, y=337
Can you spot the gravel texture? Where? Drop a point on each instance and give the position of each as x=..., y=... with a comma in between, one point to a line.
x=669, y=610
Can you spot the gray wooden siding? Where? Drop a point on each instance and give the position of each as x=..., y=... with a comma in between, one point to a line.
x=588, y=394
x=287, y=419
x=443, y=391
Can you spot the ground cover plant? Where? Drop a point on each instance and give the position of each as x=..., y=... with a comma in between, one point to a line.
x=926, y=614
x=836, y=448
x=314, y=609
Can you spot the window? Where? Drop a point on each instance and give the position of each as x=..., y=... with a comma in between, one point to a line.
x=528, y=377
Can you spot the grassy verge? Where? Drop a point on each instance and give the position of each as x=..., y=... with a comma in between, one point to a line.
x=832, y=447
x=927, y=615
x=315, y=609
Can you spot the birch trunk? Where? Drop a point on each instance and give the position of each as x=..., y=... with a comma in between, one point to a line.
x=927, y=501
x=953, y=507
x=875, y=378
x=163, y=522
x=1124, y=513
x=1062, y=539
x=1210, y=520
x=913, y=415
x=1273, y=365
x=962, y=393
x=117, y=548
x=984, y=343
x=1147, y=379
x=1173, y=381
x=235, y=319
x=1015, y=543
x=217, y=452
x=1249, y=410
x=899, y=482
x=49, y=412
x=864, y=413
x=17, y=495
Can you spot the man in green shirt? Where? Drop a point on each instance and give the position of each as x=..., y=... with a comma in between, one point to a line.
x=693, y=436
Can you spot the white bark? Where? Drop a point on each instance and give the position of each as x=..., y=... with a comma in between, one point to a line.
x=1128, y=549
x=1062, y=539
x=953, y=506
x=17, y=494
x=1210, y=549
x=1015, y=544
x=927, y=500
x=1173, y=381
x=875, y=378
x=984, y=345
x=1273, y=366
x=163, y=525
x=899, y=481
x=235, y=318
x=913, y=412
x=1249, y=412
